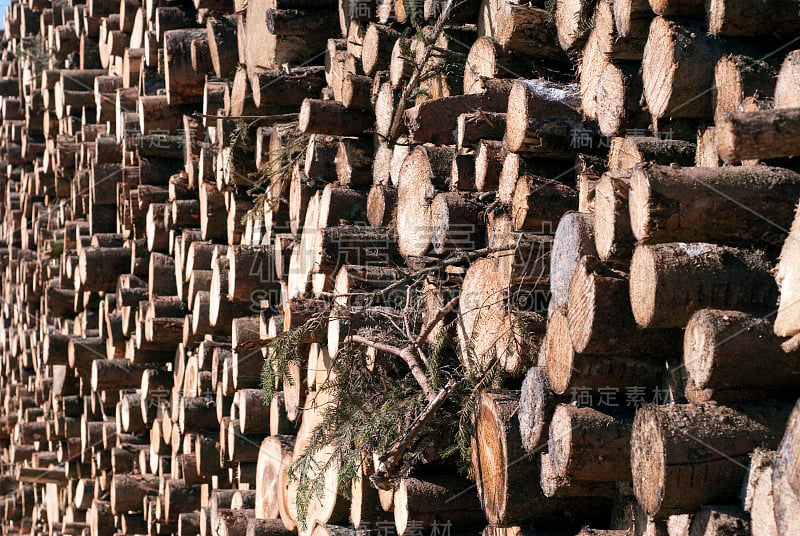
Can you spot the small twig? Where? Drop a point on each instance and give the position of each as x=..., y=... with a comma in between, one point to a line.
x=426, y=330
x=485, y=118
x=383, y=347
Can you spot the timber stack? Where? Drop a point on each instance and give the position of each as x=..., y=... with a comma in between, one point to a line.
x=323, y=267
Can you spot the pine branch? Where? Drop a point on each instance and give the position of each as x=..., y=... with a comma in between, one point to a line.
x=407, y=355
x=390, y=461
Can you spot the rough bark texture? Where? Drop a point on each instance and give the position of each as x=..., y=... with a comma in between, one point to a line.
x=718, y=205
x=721, y=371
x=707, y=276
x=758, y=135
x=664, y=456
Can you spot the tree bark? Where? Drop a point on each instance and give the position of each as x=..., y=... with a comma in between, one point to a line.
x=424, y=171
x=672, y=476
x=586, y=444
x=726, y=17
x=251, y=270
x=117, y=374
x=179, y=499
x=266, y=527
x=708, y=276
x=759, y=501
x=127, y=492
x=432, y=120
x=99, y=267
x=275, y=88
x=472, y=127
x=665, y=204
x=736, y=77
x=555, y=486
x=253, y=411
x=626, y=152
x=457, y=223
x=570, y=371
x=422, y=501
x=614, y=44
x=600, y=316
x=539, y=203
x=719, y=520
x=332, y=118
x=221, y=40
x=759, y=135
x=619, y=89
x=528, y=30
x=354, y=162
x=184, y=84
x=718, y=371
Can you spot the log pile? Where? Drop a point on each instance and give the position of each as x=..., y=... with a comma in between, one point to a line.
x=270, y=267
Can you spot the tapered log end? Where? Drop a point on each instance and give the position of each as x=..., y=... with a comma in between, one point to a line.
x=517, y=122
x=726, y=138
x=536, y=402
x=604, y=221
x=94, y=377
x=559, y=353
x=415, y=193
x=574, y=238
x=371, y=50
x=715, y=15
x=582, y=307
x=305, y=115
x=481, y=64
x=658, y=67
x=519, y=203
x=401, y=511
x=216, y=294
x=490, y=459
x=643, y=285
x=648, y=460
x=570, y=16
x=639, y=201
x=440, y=222
x=699, y=344
x=560, y=440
